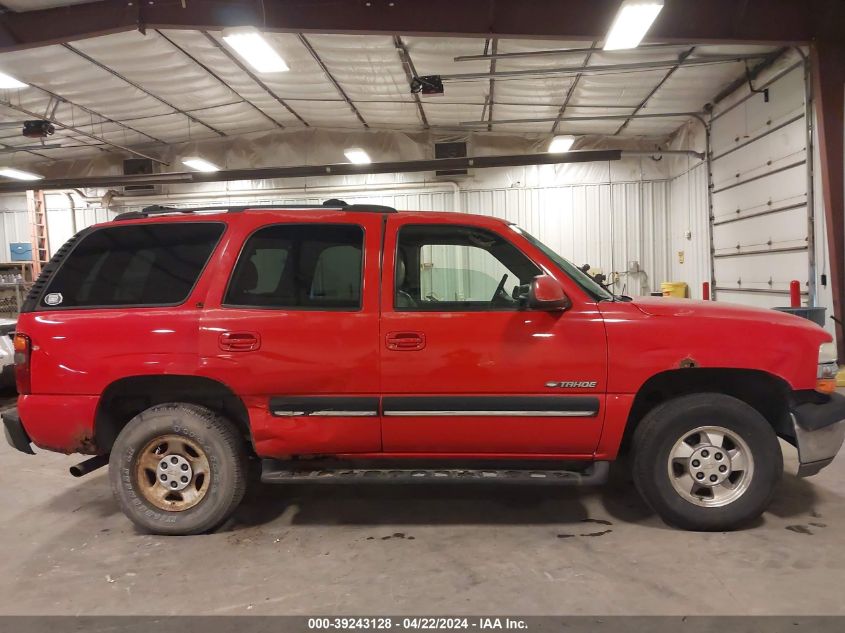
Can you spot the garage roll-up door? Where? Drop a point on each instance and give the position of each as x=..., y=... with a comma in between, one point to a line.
x=761, y=237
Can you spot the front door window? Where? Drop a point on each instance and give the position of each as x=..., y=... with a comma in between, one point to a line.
x=454, y=268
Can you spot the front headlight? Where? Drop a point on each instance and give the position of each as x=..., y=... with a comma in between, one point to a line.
x=828, y=368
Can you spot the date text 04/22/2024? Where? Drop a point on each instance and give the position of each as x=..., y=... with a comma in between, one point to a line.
x=416, y=623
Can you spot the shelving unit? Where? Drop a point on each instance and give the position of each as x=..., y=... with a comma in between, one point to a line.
x=12, y=293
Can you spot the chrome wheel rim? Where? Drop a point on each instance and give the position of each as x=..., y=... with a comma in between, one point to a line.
x=173, y=473
x=710, y=466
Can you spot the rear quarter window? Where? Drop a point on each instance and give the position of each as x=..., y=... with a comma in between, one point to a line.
x=140, y=265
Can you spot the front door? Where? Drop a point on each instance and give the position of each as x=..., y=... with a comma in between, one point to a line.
x=294, y=331
x=466, y=369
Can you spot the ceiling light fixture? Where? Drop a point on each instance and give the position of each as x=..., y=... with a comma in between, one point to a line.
x=357, y=156
x=255, y=51
x=18, y=174
x=7, y=82
x=560, y=144
x=631, y=23
x=199, y=164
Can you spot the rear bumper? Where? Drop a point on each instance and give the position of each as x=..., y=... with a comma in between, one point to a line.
x=819, y=429
x=16, y=435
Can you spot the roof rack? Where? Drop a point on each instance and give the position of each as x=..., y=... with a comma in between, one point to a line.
x=334, y=204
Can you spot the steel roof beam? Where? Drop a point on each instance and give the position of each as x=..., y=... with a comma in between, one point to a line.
x=684, y=21
x=102, y=117
x=571, y=91
x=575, y=119
x=410, y=73
x=11, y=149
x=828, y=76
x=491, y=92
x=113, y=72
x=219, y=80
x=100, y=139
x=331, y=78
x=254, y=77
x=681, y=59
x=555, y=52
x=338, y=169
x=605, y=69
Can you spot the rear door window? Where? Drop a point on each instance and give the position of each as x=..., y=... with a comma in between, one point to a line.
x=305, y=266
x=140, y=265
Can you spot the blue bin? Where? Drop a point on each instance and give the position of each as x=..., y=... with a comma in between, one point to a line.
x=21, y=251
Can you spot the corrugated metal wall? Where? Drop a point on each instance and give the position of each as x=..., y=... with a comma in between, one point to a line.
x=689, y=242
x=604, y=225
x=14, y=224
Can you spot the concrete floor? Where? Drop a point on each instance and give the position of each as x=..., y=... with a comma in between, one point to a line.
x=65, y=548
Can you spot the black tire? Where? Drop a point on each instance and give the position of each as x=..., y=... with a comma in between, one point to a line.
x=223, y=446
x=668, y=423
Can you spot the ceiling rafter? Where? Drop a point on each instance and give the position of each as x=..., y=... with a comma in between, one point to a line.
x=604, y=69
x=219, y=79
x=28, y=151
x=573, y=86
x=103, y=118
x=410, y=73
x=554, y=52
x=681, y=59
x=254, y=77
x=491, y=91
x=576, y=119
x=331, y=78
x=113, y=72
x=685, y=21
x=72, y=128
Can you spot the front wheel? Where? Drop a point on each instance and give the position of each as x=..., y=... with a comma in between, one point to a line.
x=178, y=469
x=706, y=461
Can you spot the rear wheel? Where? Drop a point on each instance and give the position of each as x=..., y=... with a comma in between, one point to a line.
x=706, y=462
x=178, y=469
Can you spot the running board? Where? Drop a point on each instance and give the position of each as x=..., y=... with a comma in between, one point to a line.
x=281, y=472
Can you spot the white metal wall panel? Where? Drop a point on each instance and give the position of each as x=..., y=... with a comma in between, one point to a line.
x=604, y=225
x=14, y=224
x=759, y=179
x=689, y=250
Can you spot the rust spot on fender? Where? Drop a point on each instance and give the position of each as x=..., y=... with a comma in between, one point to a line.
x=86, y=444
x=81, y=441
x=688, y=363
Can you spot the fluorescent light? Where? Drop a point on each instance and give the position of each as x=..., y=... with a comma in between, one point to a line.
x=357, y=156
x=17, y=174
x=632, y=22
x=560, y=144
x=7, y=82
x=255, y=51
x=199, y=164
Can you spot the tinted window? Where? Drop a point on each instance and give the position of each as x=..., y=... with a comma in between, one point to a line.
x=153, y=264
x=443, y=268
x=311, y=266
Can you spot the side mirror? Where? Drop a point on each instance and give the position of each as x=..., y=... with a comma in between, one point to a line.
x=546, y=294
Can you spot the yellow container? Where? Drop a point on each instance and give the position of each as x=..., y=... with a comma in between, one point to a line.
x=674, y=289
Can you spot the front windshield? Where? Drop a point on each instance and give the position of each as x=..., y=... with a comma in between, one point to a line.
x=583, y=280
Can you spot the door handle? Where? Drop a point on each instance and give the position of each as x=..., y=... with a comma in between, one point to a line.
x=239, y=341
x=405, y=341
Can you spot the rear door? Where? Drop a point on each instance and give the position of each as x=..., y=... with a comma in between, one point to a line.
x=293, y=329
x=466, y=369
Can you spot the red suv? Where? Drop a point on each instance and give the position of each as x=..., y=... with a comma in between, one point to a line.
x=354, y=342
